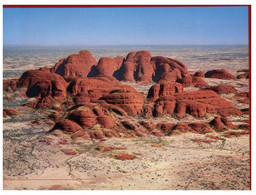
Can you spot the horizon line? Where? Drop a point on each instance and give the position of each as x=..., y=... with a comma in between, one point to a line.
x=119, y=45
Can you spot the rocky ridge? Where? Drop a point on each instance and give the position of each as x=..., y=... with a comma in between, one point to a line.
x=94, y=104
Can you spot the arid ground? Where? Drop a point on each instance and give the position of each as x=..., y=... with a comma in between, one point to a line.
x=62, y=131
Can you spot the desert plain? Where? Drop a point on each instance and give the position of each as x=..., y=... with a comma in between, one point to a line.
x=139, y=122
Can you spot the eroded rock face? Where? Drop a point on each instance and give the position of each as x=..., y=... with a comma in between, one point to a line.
x=171, y=75
x=76, y=65
x=198, y=81
x=43, y=84
x=127, y=98
x=10, y=85
x=164, y=89
x=141, y=67
x=138, y=67
x=9, y=112
x=91, y=89
x=168, y=69
x=83, y=116
x=222, y=89
x=219, y=74
x=243, y=76
x=67, y=126
x=199, y=74
x=99, y=106
x=201, y=127
x=196, y=103
x=107, y=66
x=103, y=117
x=222, y=124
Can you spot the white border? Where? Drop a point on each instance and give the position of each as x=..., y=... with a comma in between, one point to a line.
x=141, y=2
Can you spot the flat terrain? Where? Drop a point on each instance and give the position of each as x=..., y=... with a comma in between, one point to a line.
x=166, y=163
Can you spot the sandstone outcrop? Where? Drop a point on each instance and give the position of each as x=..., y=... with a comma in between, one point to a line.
x=196, y=103
x=138, y=67
x=201, y=127
x=10, y=85
x=45, y=86
x=221, y=124
x=42, y=84
x=76, y=65
x=141, y=67
x=243, y=76
x=67, y=126
x=198, y=81
x=164, y=89
x=199, y=74
x=87, y=101
x=219, y=74
x=83, y=116
x=222, y=89
x=107, y=66
x=123, y=156
x=9, y=112
x=91, y=89
x=127, y=98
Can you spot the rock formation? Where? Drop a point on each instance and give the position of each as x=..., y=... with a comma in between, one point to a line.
x=87, y=101
x=219, y=74
x=196, y=103
x=76, y=65
x=164, y=89
x=10, y=85
x=127, y=98
x=107, y=66
x=222, y=89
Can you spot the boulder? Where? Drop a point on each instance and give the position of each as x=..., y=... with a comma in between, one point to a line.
x=67, y=126
x=199, y=74
x=10, y=85
x=219, y=74
x=220, y=89
x=123, y=156
x=166, y=127
x=106, y=121
x=83, y=116
x=200, y=127
x=9, y=112
x=148, y=125
x=104, y=148
x=243, y=76
x=198, y=81
x=244, y=70
x=180, y=128
x=221, y=124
